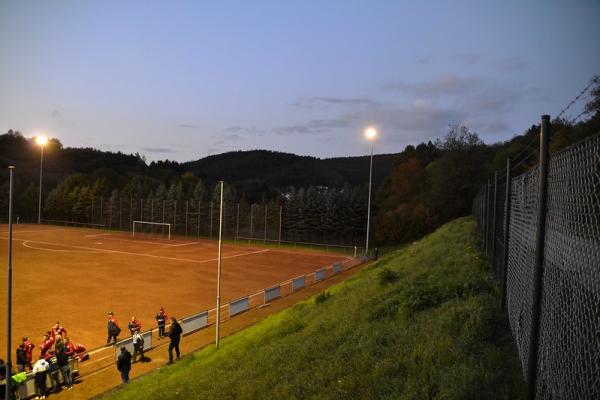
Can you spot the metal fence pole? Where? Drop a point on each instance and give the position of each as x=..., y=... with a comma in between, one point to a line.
x=174, y=215
x=211, y=219
x=8, y=389
x=506, y=231
x=237, y=222
x=163, y=211
x=539, y=260
x=251, y=219
x=130, y=212
x=186, y=217
x=199, y=204
x=280, y=220
x=485, y=217
x=265, y=234
x=92, y=213
x=218, y=317
x=494, y=206
x=152, y=210
x=110, y=212
x=141, y=209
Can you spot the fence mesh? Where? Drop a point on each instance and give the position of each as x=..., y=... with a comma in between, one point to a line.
x=569, y=340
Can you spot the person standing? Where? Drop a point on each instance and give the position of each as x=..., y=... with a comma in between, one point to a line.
x=28, y=351
x=46, y=345
x=113, y=328
x=40, y=371
x=54, y=370
x=63, y=364
x=175, y=332
x=134, y=325
x=161, y=320
x=58, y=331
x=21, y=358
x=124, y=364
x=138, y=345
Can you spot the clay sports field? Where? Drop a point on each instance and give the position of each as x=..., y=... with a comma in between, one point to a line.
x=77, y=275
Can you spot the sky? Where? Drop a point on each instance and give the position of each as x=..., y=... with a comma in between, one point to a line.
x=182, y=80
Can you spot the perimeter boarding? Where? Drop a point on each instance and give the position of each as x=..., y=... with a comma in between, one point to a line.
x=26, y=388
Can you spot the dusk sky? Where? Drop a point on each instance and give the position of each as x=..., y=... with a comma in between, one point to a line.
x=182, y=80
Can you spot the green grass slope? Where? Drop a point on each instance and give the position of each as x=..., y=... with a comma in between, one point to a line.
x=421, y=323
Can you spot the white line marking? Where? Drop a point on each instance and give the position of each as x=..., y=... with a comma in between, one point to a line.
x=26, y=244
x=134, y=254
x=182, y=244
x=36, y=230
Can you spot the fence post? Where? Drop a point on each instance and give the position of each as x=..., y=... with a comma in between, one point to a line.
x=265, y=235
x=152, y=210
x=237, y=222
x=186, y=217
x=251, y=220
x=110, y=212
x=494, y=206
x=92, y=214
x=130, y=212
x=486, y=218
x=142, y=209
x=211, y=218
x=280, y=220
x=174, y=215
x=539, y=260
x=506, y=231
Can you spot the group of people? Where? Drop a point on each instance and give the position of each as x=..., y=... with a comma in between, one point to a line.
x=125, y=358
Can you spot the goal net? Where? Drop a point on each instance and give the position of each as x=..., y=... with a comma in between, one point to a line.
x=151, y=229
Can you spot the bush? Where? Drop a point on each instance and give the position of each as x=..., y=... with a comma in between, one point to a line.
x=322, y=297
x=387, y=277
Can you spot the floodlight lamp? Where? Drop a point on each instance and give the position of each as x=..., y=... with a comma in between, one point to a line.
x=370, y=133
x=41, y=140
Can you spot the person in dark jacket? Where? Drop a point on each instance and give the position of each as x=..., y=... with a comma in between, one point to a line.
x=21, y=358
x=175, y=332
x=161, y=320
x=65, y=369
x=124, y=364
x=53, y=370
x=113, y=328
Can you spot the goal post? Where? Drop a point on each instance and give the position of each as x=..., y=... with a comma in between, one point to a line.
x=152, y=228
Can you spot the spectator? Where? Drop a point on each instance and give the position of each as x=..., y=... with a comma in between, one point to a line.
x=124, y=364
x=161, y=319
x=28, y=351
x=138, y=345
x=113, y=328
x=40, y=371
x=134, y=325
x=58, y=331
x=175, y=332
x=63, y=364
x=21, y=358
x=54, y=370
x=59, y=345
x=75, y=350
x=69, y=348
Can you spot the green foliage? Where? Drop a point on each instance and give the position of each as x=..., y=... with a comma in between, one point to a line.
x=387, y=277
x=322, y=297
x=436, y=333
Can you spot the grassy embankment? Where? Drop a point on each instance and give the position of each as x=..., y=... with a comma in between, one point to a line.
x=423, y=322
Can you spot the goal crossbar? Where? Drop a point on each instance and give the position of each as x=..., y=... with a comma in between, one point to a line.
x=152, y=223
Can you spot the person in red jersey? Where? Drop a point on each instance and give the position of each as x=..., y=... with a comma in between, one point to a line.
x=134, y=325
x=75, y=350
x=69, y=348
x=28, y=351
x=46, y=345
x=58, y=330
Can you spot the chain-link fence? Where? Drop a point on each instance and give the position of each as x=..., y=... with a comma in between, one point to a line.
x=560, y=243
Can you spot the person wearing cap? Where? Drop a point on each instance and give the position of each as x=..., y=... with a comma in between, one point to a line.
x=161, y=319
x=113, y=328
x=124, y=364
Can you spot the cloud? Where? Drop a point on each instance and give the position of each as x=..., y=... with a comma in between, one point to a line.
x=163, y=150
x=313, y=126
x=323, y=101
x=445, y=85
x=247, y=130
x=188, y=126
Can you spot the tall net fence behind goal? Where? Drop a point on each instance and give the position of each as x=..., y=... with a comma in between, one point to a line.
x=147, y=229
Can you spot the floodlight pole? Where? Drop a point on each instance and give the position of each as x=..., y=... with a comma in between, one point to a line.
x=369, y=201
x=40, y=197
x=8, y=392
x=218, y=321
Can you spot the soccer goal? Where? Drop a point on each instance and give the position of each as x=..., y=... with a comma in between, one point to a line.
x=154, y=229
